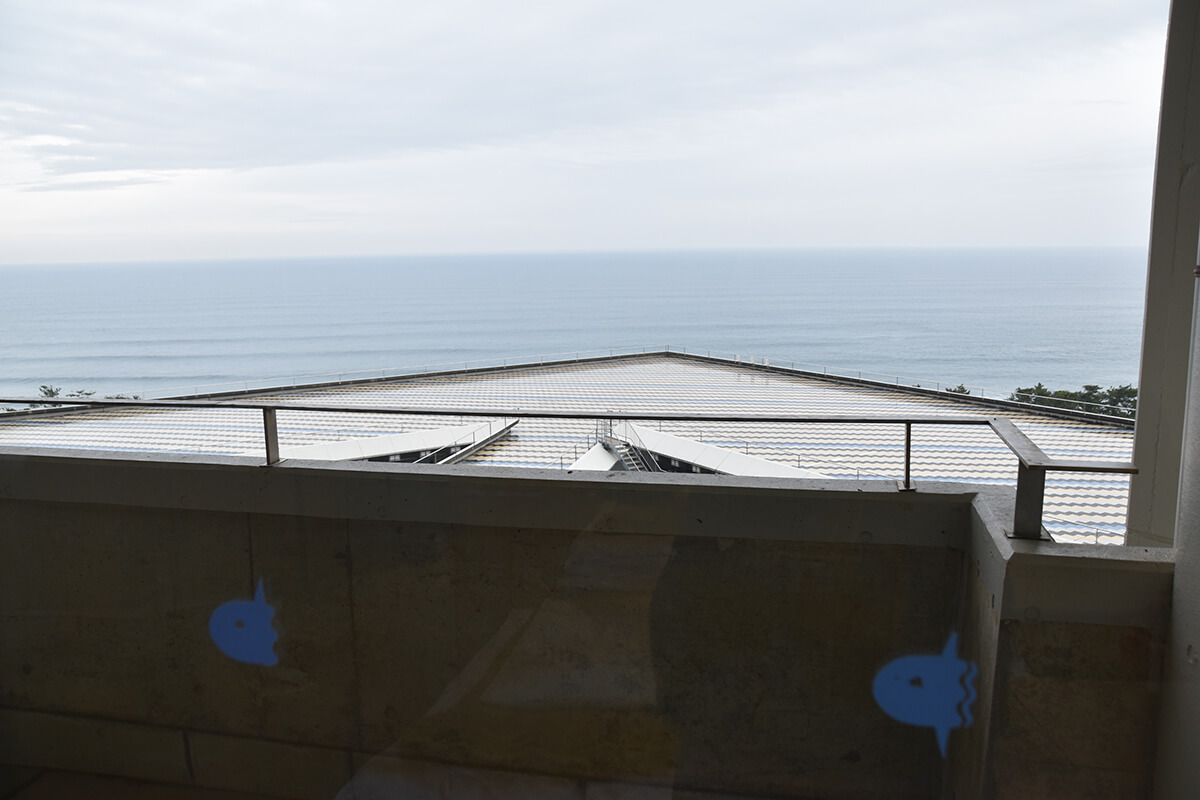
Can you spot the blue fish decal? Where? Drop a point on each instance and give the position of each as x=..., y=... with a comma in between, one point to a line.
x=930, y=691
x=241, y=629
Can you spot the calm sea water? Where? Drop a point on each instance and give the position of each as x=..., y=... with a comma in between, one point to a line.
x=987, y=318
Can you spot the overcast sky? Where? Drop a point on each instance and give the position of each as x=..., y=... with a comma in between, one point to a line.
x=161, y=130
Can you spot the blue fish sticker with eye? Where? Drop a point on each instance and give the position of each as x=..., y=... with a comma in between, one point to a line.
x=241, y=629
x=930, y=691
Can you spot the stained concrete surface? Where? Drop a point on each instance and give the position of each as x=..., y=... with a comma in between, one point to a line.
x=379, y=779
x=23, y=783
x=674, y=632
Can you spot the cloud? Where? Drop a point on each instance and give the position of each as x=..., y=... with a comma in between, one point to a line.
x=467, y=124
x=89, y=185
x=142, y=85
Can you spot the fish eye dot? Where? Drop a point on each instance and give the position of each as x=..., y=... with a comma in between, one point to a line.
x=239, y=624
x=916, y=682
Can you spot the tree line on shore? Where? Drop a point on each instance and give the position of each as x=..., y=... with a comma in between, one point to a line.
x=48, y=391
x=1115, y=401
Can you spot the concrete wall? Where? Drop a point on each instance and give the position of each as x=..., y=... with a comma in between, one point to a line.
x=1078, y=675
x=1069, y=640
x=541, y=634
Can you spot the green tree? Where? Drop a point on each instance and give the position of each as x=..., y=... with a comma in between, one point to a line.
x=47, y=390
x=1115, y=401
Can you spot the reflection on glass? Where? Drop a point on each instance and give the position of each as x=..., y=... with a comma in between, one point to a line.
x=565, y=685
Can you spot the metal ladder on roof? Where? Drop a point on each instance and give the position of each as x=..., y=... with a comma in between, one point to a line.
x=632, y=457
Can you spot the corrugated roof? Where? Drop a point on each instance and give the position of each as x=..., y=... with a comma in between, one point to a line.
x=1079, y=507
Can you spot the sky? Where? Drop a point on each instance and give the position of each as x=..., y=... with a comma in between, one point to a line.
x=144, y=130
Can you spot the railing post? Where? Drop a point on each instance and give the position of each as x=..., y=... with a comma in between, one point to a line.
x=907, y=456
x=1031, y=492
x=271, y=433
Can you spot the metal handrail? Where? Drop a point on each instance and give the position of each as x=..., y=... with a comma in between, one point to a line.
x=901, y=381
x=469, y=448
x=408, y=371
x=1033, y=462
x=637, y=447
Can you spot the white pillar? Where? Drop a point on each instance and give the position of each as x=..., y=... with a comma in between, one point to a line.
x=1170, y=287
x=1178, y=769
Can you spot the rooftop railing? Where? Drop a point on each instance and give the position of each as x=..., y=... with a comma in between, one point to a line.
x=1033, y=462
x=435, y=368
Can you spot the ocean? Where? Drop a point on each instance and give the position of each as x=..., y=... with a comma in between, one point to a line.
x=992, y=319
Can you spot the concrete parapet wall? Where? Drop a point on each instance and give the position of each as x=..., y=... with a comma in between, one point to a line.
x=1078, y=673
x=1070, y=641
x=548, y=632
